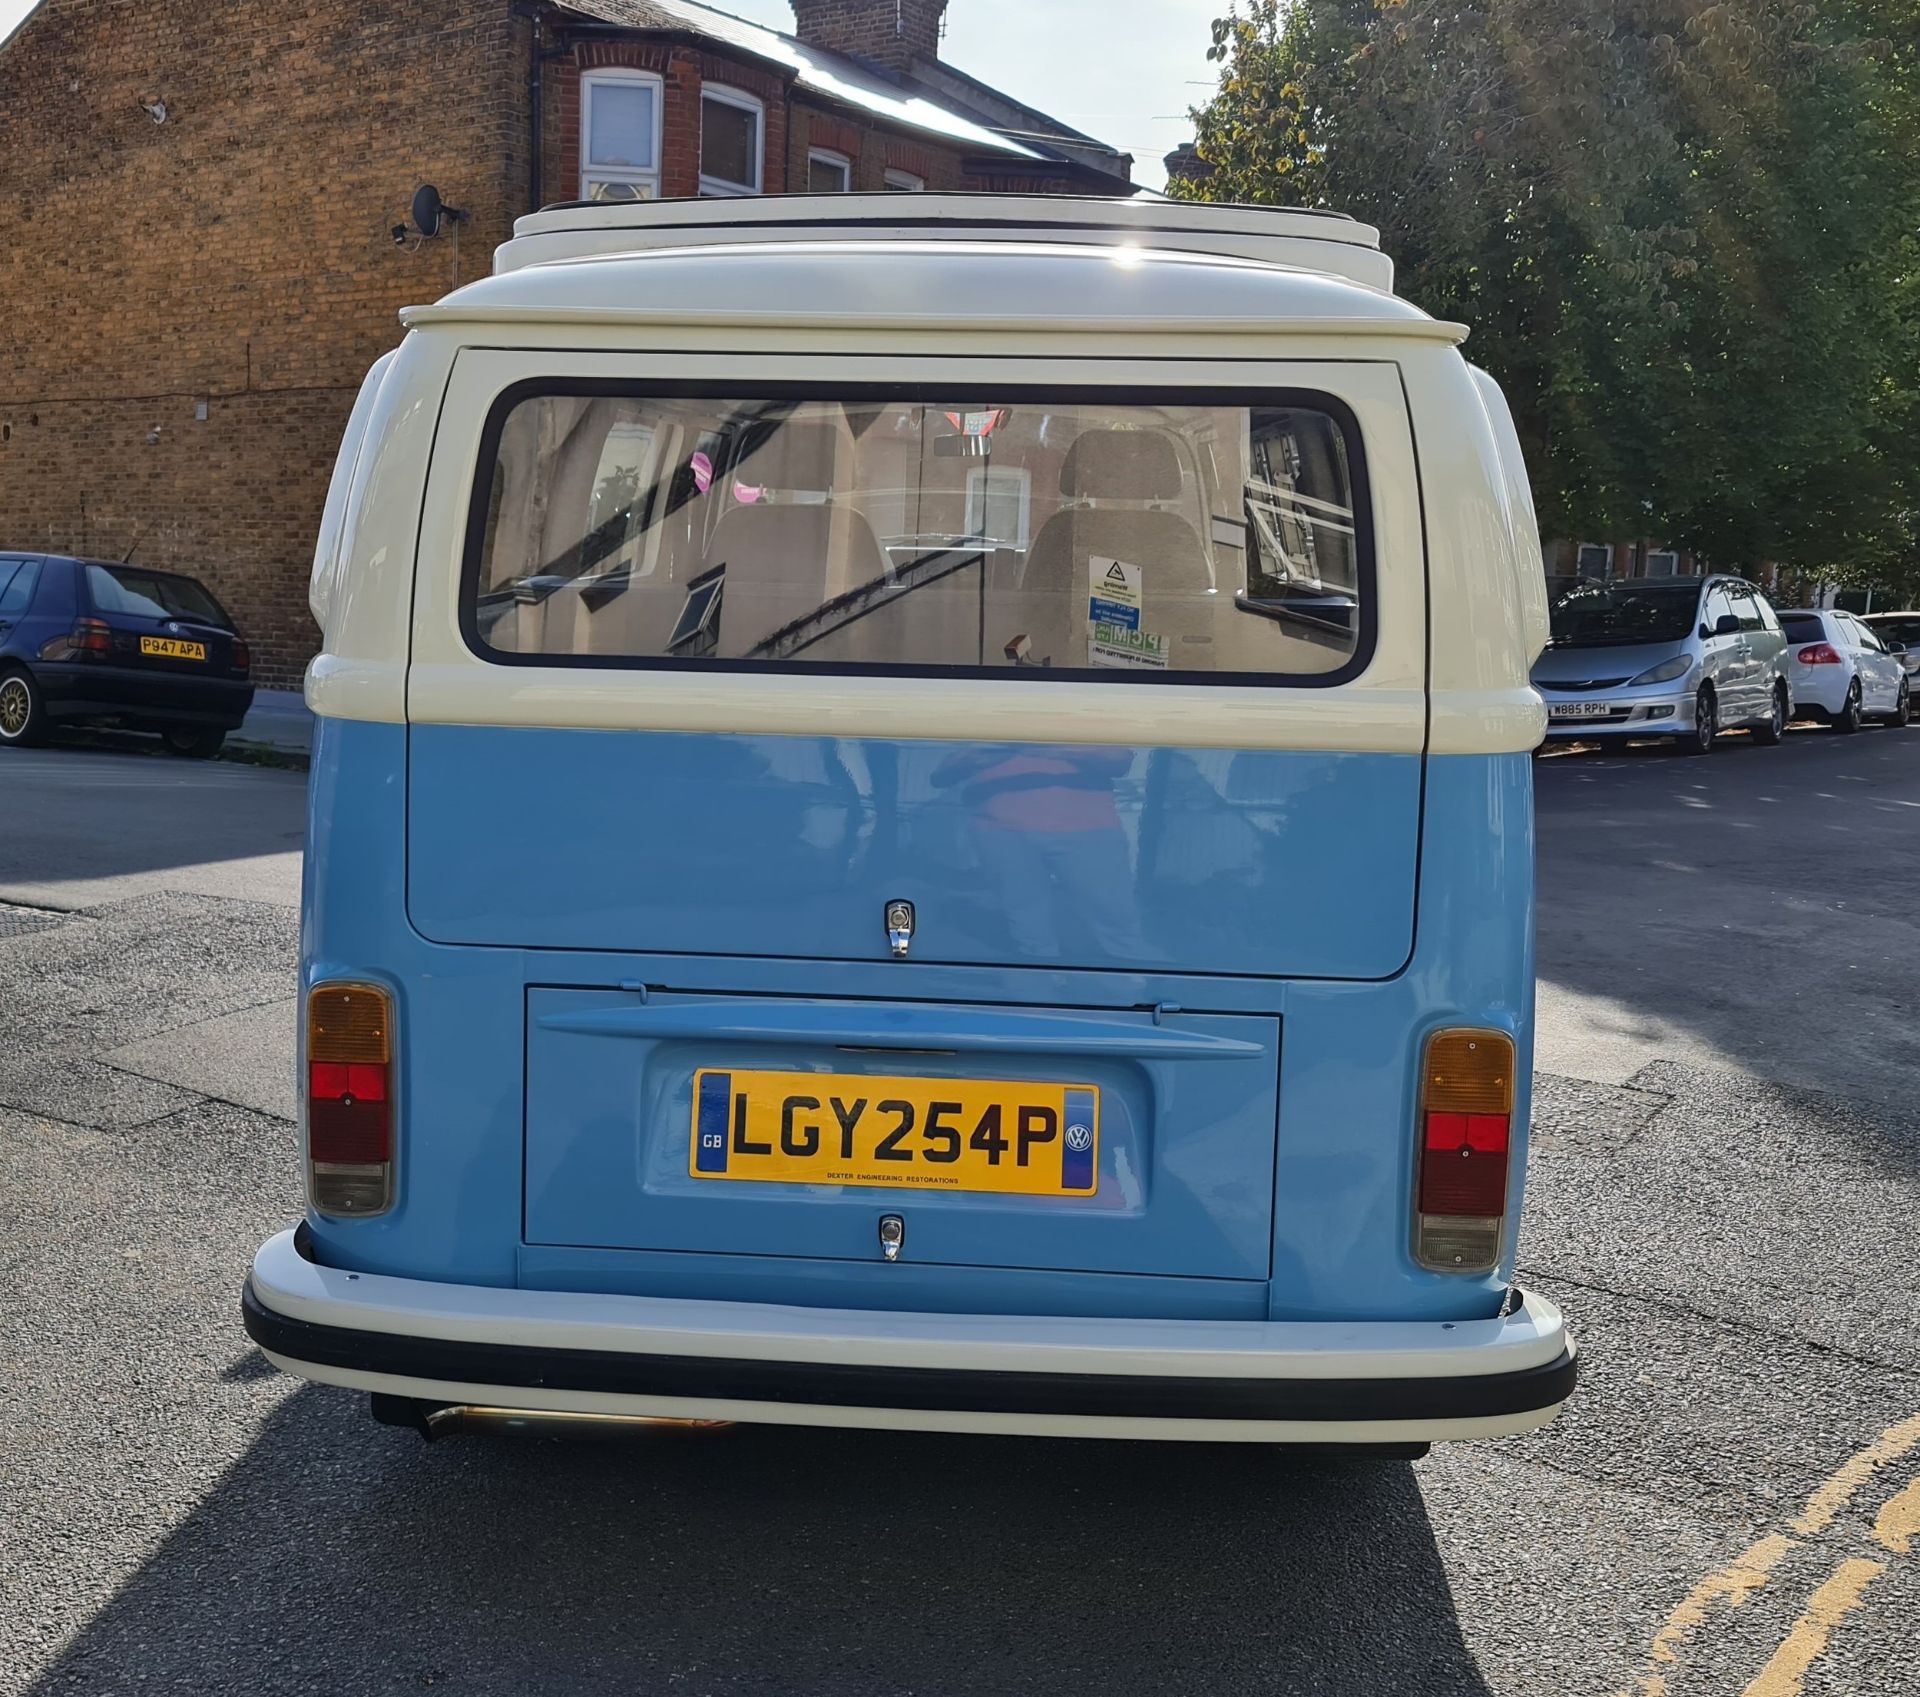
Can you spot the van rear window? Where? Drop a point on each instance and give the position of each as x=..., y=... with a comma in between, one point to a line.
x=1029, y=534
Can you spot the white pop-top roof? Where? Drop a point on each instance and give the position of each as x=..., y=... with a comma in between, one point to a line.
x=935, y=288
x=1311, y=241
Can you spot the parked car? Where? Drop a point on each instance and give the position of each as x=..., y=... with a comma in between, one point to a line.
x=94, y=642
x=1683, y=657
x=1898, y=631
x=1843, y=672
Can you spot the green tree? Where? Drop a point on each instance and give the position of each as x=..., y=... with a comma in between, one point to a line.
x=1683, y=234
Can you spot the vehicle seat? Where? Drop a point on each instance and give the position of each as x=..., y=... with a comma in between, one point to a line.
x=789, y=552
x=1104, y=468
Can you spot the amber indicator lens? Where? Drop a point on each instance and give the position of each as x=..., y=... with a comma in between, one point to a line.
x=349, y=1023
x=1468, y=1072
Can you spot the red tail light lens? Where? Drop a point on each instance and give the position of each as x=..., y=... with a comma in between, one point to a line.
x=1818, y=654
x=91, y=636
x=350, y=1099
x=1466, y=1127
x=242, y=656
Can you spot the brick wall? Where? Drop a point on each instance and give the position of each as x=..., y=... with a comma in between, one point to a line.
x=236, y=255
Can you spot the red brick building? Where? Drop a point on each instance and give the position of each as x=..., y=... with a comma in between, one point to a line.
x=198, y=253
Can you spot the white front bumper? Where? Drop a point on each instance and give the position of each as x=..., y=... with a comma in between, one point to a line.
x=1352, y=1381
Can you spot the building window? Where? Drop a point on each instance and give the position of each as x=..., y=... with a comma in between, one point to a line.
x=619, y=135
x=904, y=182
x=731, y=128
x=999, y=502
x=1595, y=559
x=828, y=172
x=1662, y=562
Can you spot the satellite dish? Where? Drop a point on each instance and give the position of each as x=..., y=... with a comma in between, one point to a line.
x=430, y=211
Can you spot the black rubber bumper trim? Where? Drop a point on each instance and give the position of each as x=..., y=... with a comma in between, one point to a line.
x=954, y=1390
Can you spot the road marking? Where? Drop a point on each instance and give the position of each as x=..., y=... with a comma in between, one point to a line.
x=1736, y=1582
x=1899, y=1520
x=1898, y=1523
x=1837, y=1598
x=1838, y=1490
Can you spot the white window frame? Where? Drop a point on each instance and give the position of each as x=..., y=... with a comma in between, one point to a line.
x=1580, y=548
x=1670, y=555
x=903, y=182
x=827, y=156
x=979, y=487
x=590, y=172
x=719, y=188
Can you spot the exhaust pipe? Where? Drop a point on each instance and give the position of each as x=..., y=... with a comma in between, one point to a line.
x=435, y=1420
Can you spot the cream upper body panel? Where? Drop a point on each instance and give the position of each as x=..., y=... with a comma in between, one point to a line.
x=934, y=313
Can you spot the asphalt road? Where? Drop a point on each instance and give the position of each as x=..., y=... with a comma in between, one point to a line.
x=1726, y=1170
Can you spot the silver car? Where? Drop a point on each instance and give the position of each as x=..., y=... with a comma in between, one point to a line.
x=1679, y=657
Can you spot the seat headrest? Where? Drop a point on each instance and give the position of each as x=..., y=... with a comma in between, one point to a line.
x=796, y=456
x=1136, y=465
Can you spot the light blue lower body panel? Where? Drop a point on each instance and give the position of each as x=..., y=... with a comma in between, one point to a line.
x=1272, y=863
x=1334, y=1197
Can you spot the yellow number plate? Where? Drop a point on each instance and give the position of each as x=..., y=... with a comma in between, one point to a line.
x=939, y=1133
x=173, y=648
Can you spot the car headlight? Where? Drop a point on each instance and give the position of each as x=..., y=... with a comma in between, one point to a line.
x=1665, y=672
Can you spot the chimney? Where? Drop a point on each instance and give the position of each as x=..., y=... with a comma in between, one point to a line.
x=889, y=33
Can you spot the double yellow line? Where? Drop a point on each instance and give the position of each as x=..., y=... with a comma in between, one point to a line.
x=1838, y=1595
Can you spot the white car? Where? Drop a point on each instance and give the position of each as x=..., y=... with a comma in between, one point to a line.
x=1842, y=671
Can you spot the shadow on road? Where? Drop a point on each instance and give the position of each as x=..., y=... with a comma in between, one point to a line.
x=340, y=1556
x=1753, y=910
x=88, y=825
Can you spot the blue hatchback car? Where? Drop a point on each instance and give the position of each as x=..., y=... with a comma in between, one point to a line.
x=99, y=642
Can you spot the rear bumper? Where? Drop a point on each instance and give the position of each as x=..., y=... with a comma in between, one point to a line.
x=1283, y=1382
x=76, y=692
x=1820, y=691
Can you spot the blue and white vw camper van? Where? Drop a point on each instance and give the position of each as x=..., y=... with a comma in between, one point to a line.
x=921, y=818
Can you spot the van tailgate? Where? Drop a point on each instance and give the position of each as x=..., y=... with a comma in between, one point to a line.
x=1105, y=1141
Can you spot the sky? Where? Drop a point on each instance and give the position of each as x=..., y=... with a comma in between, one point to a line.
x=1122, y=70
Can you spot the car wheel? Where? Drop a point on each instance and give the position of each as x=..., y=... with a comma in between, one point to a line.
x=194, y=743
x=1847, y=720
x=1902, y=708
x=1771, y=729
x=1706, y=725
x=23, y=718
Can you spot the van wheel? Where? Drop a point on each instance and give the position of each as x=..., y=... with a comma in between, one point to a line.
x=23, y=717
x=1771, y=729
x=1706, y=724
x=1847, y=720
x=194, y=743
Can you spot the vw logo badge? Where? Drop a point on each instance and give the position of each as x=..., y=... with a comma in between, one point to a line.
x=1079, y=1138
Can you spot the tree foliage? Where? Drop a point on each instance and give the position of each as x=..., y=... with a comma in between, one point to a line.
x=1683, y=232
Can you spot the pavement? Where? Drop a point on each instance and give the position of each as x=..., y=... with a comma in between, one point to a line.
x=1725, y=1173
x=279, y=721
